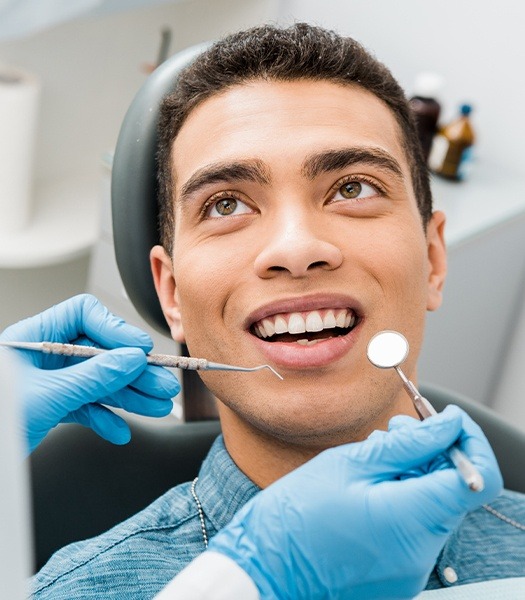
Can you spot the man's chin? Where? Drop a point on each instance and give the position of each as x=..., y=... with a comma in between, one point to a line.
x=308, y=431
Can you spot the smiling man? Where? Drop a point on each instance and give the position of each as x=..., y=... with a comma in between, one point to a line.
x=296, y=222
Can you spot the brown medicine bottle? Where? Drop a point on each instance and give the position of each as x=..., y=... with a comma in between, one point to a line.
x=452, y=147
x=426, y=108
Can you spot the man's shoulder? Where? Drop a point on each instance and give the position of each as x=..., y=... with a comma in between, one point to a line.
x=143, y=553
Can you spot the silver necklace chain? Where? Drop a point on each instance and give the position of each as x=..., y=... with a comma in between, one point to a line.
x=200, y=511
x=503, y=517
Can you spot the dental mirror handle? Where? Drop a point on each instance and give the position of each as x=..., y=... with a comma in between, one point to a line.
x=467, y=470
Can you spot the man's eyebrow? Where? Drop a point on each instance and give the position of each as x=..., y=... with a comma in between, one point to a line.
x=334, y=160
x=243, y=170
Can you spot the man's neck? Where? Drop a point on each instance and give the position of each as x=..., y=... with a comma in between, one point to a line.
x=261, y=458
x=265, y=458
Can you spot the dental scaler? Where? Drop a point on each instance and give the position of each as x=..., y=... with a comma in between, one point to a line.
x=162, y=360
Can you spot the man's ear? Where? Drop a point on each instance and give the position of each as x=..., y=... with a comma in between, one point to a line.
x=162, y=270
x=437, y=260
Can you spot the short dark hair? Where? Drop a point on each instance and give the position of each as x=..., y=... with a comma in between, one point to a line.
x=269, y=52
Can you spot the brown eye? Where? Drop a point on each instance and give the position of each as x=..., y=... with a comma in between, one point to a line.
x=350, y=190
x=226, y=206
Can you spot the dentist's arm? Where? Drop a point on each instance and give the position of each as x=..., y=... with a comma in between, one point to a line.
x=61, y=389
x=364, y=521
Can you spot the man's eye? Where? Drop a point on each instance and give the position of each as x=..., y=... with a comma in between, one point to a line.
x=355, y=189
x=226, y=207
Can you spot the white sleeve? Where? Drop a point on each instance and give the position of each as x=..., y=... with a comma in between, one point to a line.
x=211, y=576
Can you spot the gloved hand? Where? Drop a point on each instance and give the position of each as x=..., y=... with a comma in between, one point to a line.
x=351, y=524
x=62, y=389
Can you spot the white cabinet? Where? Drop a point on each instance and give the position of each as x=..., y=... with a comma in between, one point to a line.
x=467, y=341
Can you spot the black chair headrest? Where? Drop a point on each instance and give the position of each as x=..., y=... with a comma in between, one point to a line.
x=134, y=187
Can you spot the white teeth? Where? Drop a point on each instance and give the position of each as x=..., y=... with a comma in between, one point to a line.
x=311, y=342
x=329, y=321
x=261, y=332
x=268, y=327
x=314, y=322
x=281, y=326
x=341, y=318
x=296, y=324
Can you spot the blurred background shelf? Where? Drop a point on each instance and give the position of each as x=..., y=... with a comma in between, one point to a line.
x=64, y=226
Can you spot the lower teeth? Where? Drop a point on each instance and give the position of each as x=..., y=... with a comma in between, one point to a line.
x=305, y=342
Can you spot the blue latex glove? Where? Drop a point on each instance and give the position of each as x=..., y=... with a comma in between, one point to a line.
x=350, y=524
x=62, y=389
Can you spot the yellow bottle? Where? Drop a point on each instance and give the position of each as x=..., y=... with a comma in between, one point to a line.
x=452, y=147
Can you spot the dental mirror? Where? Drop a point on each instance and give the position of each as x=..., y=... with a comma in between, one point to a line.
x=387, y=349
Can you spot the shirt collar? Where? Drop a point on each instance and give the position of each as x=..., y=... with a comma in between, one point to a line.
x=222, y=489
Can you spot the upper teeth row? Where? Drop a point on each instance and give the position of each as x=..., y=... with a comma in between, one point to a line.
x=297, y=323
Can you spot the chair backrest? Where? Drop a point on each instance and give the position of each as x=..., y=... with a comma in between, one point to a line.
x=134, y=187
x=507, y=441
x=83, y=485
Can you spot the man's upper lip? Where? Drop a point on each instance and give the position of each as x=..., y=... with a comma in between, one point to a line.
x=303, y=304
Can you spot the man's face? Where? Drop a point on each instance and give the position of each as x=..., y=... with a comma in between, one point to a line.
x=297, y=239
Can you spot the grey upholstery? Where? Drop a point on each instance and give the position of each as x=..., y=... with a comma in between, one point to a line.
x=507, y=441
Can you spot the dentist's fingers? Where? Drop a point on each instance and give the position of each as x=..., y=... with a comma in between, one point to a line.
x=102, y=421
x=158, y=382
x=92, y=379
x=139, y=404
x=414, y=444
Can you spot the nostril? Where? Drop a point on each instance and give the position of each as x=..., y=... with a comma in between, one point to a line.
x=319, y=263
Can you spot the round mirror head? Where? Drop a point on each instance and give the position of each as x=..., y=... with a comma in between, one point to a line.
x=387, y=349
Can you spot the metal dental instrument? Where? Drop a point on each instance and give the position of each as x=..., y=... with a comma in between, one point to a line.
x=162, y=360
x=389, y=349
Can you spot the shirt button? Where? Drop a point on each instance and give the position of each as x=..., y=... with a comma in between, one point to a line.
x=450, y=575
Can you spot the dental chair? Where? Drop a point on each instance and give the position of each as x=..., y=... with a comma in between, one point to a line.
x=83, y=485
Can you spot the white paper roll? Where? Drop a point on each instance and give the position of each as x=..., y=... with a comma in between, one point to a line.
x=19, y=100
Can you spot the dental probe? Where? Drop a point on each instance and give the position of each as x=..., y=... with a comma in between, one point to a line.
x=388, y=349
x=161, y=360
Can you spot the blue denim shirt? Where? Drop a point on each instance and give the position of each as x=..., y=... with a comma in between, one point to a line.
x=137, y=558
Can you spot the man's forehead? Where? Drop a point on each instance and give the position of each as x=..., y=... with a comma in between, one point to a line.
x=259, y=115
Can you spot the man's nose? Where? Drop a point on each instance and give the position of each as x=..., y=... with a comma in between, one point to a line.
x=296, y=246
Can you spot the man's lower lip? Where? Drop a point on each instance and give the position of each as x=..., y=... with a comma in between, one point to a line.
x=297, y=356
